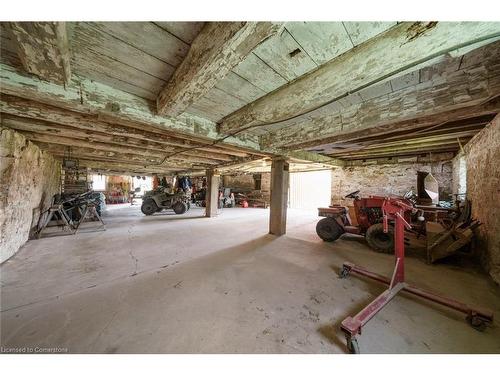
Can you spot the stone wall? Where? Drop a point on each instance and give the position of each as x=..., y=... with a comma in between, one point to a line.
x=29, y=177
x=482, y=155
x=374, y=178
x=244, y=182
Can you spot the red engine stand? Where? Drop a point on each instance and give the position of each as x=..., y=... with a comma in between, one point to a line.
x=394, y=209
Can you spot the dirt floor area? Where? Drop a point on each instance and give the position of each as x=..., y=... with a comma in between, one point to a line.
x=189, y=284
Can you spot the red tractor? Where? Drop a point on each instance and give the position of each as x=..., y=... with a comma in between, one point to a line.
x=365, y=218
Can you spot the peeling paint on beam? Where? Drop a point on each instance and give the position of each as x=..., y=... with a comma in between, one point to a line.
x=464, y=91
x=43, y=49
x=35, y=111
x=114, y=106
x=217, y=49
x=66, y=141
x=48, y=128
x=386, y=55
x=314, y=157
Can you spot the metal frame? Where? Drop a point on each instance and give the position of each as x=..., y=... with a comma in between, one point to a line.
x=394, y=209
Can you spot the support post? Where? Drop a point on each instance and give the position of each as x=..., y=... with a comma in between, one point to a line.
x=279, y=196
x=212, y=195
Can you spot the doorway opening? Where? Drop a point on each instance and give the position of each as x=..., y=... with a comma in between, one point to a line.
x=310, y=190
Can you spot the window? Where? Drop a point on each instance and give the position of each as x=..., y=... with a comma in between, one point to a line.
x=98, y=182
x=462, y=177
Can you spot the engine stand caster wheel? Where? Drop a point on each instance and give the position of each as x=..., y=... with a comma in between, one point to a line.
x=352, y=345
x=344, y=273
x=477, y=323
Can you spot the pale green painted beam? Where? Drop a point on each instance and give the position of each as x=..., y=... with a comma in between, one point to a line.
x=388, y=54
x=115, y=106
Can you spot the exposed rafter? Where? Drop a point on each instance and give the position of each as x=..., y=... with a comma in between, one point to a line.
x=43, y=49
x=113, y=106
x=217, y=49
x=27, y=109
x=468, y=92
x=52, y=129
x=397, y=50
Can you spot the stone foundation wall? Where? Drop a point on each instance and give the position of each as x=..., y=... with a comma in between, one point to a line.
x=246, y=182
x=243, y=182
x=388, y=179
x=29, y=177
x=482, y=155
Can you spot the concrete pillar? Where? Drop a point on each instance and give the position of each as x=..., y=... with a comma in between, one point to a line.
x=212, y=196
x=279, y=196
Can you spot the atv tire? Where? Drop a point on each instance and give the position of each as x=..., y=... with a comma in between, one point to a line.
x=378, y=240
x=149, y=207
x=328, y=229
x=180, y=208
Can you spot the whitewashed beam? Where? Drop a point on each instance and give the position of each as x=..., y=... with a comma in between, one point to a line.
x=53, y=129
x=313, y=157
x=465, y=93
x=399, y=49
x=113, y=106
x=43, y=49
x=35, y=111
x=217, y=49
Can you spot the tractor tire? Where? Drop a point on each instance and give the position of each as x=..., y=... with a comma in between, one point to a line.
x=328, y=229
x=378, y=240
x=179, y=208
x=149, y=207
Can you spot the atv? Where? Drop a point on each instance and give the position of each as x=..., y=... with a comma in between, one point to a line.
x=159, y=199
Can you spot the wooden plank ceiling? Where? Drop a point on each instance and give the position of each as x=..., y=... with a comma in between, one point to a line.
x=298, y=49
x=345, y=90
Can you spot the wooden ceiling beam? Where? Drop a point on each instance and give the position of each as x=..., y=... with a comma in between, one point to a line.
x=215, y=51
x=90, y=153
x=107, y=104
x=438, y=129
x=43, y=49
x=490, y=108
x=402, y=47
x=410, y=153
x=66, y=141
x=28, y=109
x=406, y=142
x=123, y=168
x=416, y=149
x=48, y=128
x=469, y=92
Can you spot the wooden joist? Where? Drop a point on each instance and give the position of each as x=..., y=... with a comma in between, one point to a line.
x=217, y=49
x=87, y=153
x=48, y=128
x=397, y=50
x=145, y=153
x=463, y=92
x=124, y=167
x=34, y=111
x=43, y=49
x=375, y=146
x=114, y=106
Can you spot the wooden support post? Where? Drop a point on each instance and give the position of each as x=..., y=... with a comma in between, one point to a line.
x=212, y=195
x=279, y=196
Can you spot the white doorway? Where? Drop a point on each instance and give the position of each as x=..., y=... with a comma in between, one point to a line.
x=310, y=190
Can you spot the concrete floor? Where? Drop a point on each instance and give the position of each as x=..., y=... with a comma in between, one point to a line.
x=188, y=284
